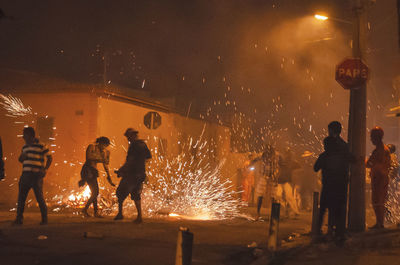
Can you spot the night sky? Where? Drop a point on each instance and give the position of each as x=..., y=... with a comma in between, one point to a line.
x=199, y=51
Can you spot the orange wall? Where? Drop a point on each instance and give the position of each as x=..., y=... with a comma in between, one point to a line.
x=72, y=133
x=79, y=118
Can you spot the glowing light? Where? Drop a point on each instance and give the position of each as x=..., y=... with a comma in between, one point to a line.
x=79, y=198
x=173, y=215
x=320, y=17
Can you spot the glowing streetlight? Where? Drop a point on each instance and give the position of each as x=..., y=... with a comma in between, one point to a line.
x=323, y=18
x=320, y=17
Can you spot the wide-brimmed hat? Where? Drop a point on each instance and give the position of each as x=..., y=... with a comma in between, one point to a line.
x=130, y=131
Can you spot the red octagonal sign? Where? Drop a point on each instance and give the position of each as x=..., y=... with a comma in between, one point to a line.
x=352, y=73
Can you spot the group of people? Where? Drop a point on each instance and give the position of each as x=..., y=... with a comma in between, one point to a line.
x=334, y=163
x=271, y=173
x=36, y=160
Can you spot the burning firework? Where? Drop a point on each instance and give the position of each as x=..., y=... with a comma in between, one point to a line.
x=14, y=106
x=186, y=186
x=393, y=198
x=189, y=185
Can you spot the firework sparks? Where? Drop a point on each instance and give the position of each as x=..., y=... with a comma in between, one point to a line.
x=186, y=186
x=393, y=198
x=14, y=106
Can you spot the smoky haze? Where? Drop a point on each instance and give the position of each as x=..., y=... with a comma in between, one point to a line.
x=221, y=58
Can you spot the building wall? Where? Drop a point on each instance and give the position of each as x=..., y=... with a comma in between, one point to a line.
x=72, y=129
x=79, y=118
x=114, y=117
x=175, y=131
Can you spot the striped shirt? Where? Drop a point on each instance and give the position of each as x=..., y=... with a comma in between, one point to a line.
x=35, y=157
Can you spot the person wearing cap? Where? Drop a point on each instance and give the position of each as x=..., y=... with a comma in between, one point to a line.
x=95, y=153
x=132, y=173
x=379, y=163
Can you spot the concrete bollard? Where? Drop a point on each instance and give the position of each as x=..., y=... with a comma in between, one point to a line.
x=184, y=247
x=274, y=227
x=315, y=215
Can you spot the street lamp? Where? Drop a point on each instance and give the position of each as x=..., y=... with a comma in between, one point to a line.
x=323, y=18
x=320, y=17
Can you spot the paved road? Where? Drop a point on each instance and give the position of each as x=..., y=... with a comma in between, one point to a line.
x=153, y=242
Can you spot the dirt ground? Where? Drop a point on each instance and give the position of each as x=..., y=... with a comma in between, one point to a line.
x=123, y=242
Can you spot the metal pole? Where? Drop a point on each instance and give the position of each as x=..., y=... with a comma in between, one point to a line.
x=184, y=247
x=357, y=126
x=274, y=227
x=315, y=215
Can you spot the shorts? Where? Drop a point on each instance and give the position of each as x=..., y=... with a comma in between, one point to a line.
x=379, y=186
x=132, y=186
x=89, y=172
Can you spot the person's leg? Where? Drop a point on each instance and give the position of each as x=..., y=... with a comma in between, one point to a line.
x=95, y=190
x=379, y=193
x=136, y=195
x=331, y=221
x=339, y=220
x=23, y=191
x=322, y=209
x=138, y=205
x=375, y=201
x=122, y=192
x=38, y=190
x=259, y=204
x=289, y=196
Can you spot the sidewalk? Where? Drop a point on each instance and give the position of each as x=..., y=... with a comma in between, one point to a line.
x=379, y=247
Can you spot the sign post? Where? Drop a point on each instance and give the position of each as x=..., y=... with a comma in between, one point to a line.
x=352, y=73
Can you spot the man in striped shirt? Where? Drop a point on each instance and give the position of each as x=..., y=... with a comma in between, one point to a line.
x=35, y=159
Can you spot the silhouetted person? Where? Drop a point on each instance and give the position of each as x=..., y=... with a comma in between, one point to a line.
x=95, y=153
x=334, y=130
x=334, y=165
x=2, y=174
x=379, y=163
x=308, y=180
x=35, y=159
x=287, y=165
x=133, y=173
x=268, y=172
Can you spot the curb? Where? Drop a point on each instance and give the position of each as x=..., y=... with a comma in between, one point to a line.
x=367, y=240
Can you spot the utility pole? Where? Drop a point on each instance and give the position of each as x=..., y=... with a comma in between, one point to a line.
x=357, y=124
x=105, y=62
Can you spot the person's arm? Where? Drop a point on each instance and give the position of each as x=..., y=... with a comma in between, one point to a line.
x=106, y=161
x=22, y=157
x=49, y=160
x=147, y=152
x=372, y=159
x=319, y=162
